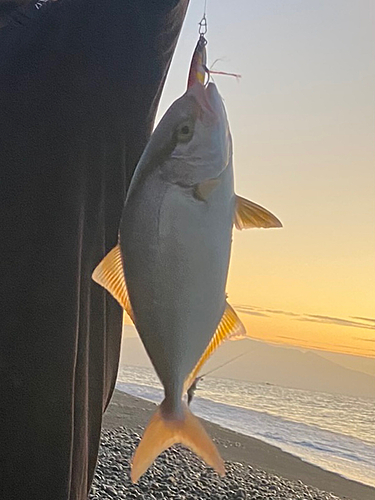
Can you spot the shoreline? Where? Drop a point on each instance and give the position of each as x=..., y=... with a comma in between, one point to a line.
x=134, y=413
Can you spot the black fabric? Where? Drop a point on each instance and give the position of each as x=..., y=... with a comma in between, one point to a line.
x=79, y=84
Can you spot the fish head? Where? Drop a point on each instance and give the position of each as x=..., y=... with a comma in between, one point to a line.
x=192, y=142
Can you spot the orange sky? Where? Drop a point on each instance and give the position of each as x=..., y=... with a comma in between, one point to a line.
x=302, y=120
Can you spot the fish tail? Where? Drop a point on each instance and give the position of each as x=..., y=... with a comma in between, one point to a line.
x=162, y=432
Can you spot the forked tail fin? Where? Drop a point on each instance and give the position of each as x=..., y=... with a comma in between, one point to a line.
x=161, y=433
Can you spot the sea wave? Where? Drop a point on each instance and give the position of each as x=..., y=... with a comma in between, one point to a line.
x=314, y=440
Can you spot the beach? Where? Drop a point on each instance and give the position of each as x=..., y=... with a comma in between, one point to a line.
x=255, y=470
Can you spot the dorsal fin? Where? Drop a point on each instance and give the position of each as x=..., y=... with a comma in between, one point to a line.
x=230, y=327
x=248, y=215
x=110, y=275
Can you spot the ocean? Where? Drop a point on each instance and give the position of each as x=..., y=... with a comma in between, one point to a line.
x=333, y=431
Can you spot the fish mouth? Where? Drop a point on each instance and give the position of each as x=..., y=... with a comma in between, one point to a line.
x=208, y=98
x=214, y=101
x=213, y=97
x=206, y=94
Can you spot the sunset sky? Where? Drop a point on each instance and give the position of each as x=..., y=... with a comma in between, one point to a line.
x=303, y=125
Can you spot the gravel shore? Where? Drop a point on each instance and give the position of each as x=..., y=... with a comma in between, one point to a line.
x=178, y=474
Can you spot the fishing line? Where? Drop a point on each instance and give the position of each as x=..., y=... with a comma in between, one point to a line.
x=202, y=31
x=224, y=364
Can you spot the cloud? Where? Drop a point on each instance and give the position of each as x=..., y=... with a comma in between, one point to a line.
x=286, y=313
x=363, y=319
x=313, y=318
x=331, y=320
x=247, y=307
x=353, y=348
x=260, y=311
x=248, y=310
x=287, y=337
x=308, y=344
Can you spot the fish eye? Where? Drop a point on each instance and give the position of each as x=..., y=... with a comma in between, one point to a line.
x=185, y=131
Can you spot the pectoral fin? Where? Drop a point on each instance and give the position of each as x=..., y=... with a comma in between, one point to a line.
x=203, y=190
x=110, y=275
x=230, y=327
x=248, y=215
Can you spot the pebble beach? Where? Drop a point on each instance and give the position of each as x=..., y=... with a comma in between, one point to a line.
x=254, y=470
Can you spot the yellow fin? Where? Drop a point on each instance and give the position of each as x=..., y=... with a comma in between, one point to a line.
x=248, y=215
x=161, y=433
x=203, y=190
x=110, y=275
x=230, y=327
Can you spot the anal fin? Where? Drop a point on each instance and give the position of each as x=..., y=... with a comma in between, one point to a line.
x=110, y=275
x=230, y=327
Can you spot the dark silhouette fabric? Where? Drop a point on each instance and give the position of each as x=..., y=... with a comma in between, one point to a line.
x=80, y=81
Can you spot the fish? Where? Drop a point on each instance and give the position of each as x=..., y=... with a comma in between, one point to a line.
x=169, y=268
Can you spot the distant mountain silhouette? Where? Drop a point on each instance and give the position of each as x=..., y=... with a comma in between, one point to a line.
x=357, y=363
x=279, y=365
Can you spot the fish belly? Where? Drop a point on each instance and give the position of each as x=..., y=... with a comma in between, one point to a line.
x=176, y=253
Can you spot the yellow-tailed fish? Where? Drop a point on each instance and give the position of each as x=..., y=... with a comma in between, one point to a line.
x=169, y=268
